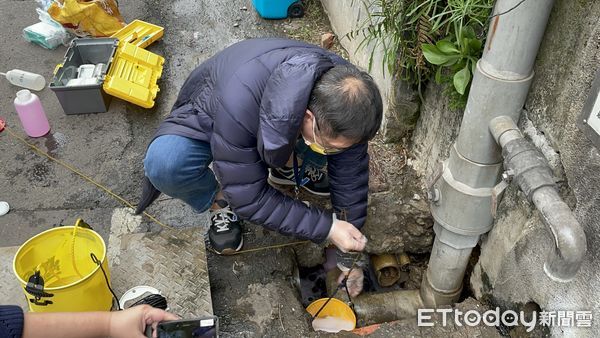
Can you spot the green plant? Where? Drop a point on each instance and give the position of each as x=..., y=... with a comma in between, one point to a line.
x=460, y=56
x=425, y=38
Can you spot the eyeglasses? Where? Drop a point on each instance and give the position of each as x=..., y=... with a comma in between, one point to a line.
x=326, y=150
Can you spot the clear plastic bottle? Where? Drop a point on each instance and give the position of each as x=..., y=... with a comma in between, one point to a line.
x=25, y=79
x=31, y=113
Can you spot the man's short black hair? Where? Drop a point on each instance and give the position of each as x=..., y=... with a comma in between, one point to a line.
x=346, y=102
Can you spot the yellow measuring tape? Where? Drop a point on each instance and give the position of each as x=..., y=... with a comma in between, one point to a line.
x=117, y=197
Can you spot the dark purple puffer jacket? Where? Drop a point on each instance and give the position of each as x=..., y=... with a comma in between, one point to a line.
x=248, y=102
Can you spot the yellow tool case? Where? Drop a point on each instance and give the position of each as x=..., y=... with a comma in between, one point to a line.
x=124, y=69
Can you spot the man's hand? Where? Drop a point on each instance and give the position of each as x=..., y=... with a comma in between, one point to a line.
x=355, y=281
x=132, y=322
x=346, y=236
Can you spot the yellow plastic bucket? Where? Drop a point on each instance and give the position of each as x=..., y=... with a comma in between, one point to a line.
x=335, y=308
x=70, y=280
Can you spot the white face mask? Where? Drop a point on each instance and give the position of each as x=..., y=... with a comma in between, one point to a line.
x=314, y=146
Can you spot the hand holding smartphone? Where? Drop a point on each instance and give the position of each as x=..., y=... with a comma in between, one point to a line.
x=205, y=327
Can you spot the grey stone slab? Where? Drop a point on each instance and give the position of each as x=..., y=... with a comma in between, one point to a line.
x=11, y=291
x=173, y=261
x=177, y=214
x=20, y=224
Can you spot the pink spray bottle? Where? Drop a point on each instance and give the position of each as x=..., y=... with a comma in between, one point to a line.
x=32, y=115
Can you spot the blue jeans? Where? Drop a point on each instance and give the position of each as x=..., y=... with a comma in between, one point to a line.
x=178, y=167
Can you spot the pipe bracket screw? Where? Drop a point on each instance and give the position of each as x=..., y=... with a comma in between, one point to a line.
x=508, y=175
x=433, y=195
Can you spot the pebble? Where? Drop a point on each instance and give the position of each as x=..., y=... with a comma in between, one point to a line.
x=4, y=208
x=236, y=24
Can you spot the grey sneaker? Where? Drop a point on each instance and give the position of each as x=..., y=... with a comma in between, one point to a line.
x=316, y=180
x=225, y=233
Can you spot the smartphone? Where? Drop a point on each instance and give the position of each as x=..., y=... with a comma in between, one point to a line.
x=205, y=327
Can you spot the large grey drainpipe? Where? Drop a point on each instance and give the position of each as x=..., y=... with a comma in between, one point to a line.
x=468, y=186
x=465, y=194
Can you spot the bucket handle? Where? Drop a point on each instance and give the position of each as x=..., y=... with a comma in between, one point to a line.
x=35, y=287
x=80, y=223
x=99, y=263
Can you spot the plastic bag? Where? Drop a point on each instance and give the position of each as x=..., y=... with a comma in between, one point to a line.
x=88, y=17
x=46, y=33
x=44, y=4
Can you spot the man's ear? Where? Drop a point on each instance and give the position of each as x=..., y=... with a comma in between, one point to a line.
x=308, y=115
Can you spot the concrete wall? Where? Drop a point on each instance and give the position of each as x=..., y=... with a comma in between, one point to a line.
x=509, y=271
x=399, y=218
x=401, y=104
x=512, y=255
x=510, y=268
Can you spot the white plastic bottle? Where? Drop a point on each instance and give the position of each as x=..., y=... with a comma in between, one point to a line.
x=25, y=79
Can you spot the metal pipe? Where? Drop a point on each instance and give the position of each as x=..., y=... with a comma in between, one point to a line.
x=570, y=243
x=534, y=176
x=469, y=186
x=372, y=308
x=386, y=268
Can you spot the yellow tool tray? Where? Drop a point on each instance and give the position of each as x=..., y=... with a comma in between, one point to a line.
x=139, y=33
x=134, y=71
x=133, y=75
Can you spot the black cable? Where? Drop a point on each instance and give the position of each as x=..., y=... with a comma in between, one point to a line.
x=348, y=294
x=154, y=300
x=329, y=299
x=97, y=261
x=508, y=11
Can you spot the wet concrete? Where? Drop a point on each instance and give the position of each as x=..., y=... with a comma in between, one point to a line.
x=109, y=147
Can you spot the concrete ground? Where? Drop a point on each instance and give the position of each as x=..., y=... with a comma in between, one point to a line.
x=251, y=293
x=109, y=147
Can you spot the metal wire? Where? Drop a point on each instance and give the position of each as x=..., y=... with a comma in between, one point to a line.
x=342, y=284
x=84, y=176
x=97, y=261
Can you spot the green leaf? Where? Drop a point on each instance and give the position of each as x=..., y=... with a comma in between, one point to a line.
x=468, y=32
x=434, y=55
x=461, y=79
x=438, y=75
x=465, y=46
x=447, y=47
x=459, y=65
x=452, y=60
x=475, y=45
